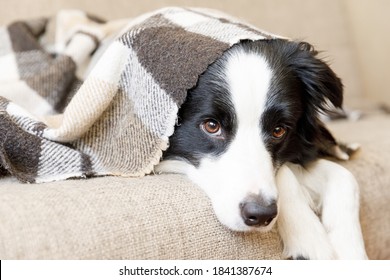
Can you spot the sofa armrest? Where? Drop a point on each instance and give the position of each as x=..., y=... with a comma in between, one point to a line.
x=156, y=217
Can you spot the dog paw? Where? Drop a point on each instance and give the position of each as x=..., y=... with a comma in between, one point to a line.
x=309, y=250
x=298, y=257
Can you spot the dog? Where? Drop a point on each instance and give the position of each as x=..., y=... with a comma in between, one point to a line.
x=250, y=136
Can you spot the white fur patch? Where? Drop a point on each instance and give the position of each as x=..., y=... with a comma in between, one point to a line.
x=338, y=195
x=245, y=168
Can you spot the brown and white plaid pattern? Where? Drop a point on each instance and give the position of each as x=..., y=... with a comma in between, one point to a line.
x=58, y=119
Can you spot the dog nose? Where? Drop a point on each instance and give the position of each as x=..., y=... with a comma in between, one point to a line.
x=255, y=214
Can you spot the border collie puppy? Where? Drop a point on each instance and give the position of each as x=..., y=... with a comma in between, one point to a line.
x=249, y=135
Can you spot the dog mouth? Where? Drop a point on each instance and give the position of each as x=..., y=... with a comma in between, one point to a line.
x=253, y=221
x=241, y=226
x=265, y=227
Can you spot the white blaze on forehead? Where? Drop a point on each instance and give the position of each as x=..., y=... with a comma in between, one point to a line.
x=249, y=78
x=245, y=167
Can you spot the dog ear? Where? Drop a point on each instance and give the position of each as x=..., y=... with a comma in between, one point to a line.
x=321, y=89
x=321, y=84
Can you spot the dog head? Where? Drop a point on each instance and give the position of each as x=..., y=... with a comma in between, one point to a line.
x=253, y=110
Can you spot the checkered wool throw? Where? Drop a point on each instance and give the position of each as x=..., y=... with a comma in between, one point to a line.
x=83, y=97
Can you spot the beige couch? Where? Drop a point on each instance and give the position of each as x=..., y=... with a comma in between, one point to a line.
x=166, y=216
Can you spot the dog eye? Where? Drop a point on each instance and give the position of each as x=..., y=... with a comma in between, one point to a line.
x=279, y=132
x=212, y=127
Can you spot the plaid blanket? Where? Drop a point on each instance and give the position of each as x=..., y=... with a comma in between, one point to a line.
x=83, y=97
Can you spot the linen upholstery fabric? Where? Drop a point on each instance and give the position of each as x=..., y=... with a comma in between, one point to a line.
x=155, y=217
x=119, y=119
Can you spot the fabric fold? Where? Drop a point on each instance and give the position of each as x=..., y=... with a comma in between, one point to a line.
x=118, y=119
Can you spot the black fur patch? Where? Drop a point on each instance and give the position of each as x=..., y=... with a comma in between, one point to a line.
x=209, y=99
x=301, y=86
